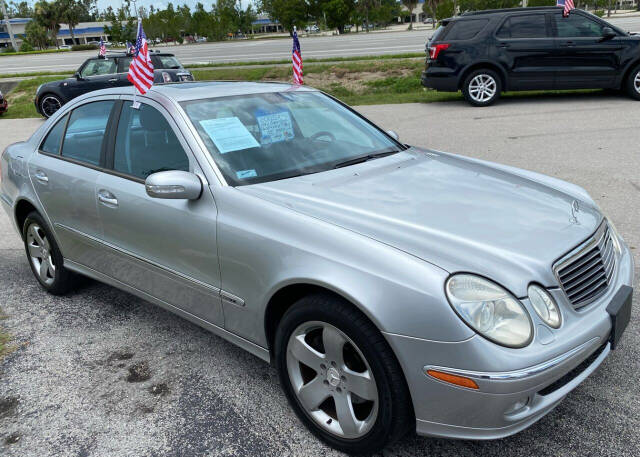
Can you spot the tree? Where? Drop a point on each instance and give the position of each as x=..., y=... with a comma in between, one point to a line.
x=47, y=14
x=338, y=13
x=287, y=12
x=21, y=9
x=37, y=35
x=70, y=12
x=410, y=5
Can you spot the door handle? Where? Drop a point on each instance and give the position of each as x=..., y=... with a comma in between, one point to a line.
x=107, y=198
x=568, y=44
x=41, y=176
x=113, y=80
x=503, y=45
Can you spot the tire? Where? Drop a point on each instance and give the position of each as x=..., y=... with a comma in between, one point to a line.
x=633, y=83
x=49, y=104
x=482, y=87
x=354, y=424
x=44, y=256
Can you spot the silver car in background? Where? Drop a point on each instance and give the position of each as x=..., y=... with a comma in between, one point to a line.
x=394, y=288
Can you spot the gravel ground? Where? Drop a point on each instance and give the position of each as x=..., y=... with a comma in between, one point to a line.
x=103, y=373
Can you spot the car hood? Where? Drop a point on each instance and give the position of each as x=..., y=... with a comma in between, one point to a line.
x=453, y=212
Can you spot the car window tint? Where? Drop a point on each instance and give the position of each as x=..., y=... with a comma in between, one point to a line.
x=465, y=30
x=124, y=63
x=146, y=143
x=97, y=67
x=577, y=26
x=85, y=132
x=168, y=62
x=527, y=26
x=51, y=143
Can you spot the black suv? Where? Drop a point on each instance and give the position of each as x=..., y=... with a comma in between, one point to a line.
x=103, y=73
x=484, y=53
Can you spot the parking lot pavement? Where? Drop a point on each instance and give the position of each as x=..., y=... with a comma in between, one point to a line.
x=100, y=372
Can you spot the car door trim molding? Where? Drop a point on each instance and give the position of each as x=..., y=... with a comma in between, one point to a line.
x=255, y=349
x=211, y=288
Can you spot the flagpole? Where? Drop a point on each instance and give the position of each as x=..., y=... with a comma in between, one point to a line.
x=136, y=103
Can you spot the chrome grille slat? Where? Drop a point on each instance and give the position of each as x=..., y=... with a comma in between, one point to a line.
x=586, y=273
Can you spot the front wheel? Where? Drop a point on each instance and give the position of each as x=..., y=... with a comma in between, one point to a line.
x=633, y=83
x=340, y=376
x=482, y=87
x=49, y=105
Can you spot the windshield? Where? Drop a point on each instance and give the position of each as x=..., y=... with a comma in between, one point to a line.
x=264, y=137
x=169, y=62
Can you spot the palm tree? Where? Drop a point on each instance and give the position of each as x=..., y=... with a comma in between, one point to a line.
x=70, y=11
x=48, y=15
x=410, y=4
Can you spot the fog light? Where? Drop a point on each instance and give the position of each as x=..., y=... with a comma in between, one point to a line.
x=517, y=406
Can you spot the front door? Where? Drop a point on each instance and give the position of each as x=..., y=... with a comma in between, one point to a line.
x=587, y=60
x=64, y=174
x=525, y=48
x=164, y=248
x=96, y=74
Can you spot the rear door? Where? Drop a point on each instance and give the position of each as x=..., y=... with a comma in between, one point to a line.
x=585, y=59
x=525, y=48
x=64, y=175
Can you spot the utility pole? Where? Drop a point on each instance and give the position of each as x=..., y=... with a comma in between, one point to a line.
x=6, y=19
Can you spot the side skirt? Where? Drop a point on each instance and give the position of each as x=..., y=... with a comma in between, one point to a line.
x=247, y=345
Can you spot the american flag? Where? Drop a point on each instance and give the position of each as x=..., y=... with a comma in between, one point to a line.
x=103, y=49
x=567, y=5
x=141, y=67
x=130, y=48
x=297, y=59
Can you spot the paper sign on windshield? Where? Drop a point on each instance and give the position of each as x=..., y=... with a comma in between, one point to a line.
x=229, y=134
x=275, y=127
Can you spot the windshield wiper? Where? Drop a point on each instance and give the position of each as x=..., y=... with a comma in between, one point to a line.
x=365, y=158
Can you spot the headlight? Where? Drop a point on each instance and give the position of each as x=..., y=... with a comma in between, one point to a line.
x=615, y=236
x=39, y=87
x=490, y=310
x=544, y=306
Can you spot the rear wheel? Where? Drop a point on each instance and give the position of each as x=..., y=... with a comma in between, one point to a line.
x=49, y=104
x=482, y=87
x=340, y=376
x=44, y=256
x=633, y=83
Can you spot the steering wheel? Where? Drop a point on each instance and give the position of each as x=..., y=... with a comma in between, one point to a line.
x=322, y=133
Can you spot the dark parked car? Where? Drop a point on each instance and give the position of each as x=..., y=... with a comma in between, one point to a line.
x=487, y=52
x=102, y=73
x=3, y=104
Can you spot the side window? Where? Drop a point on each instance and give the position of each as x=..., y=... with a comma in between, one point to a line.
x=466, y=30
x=85, y=132
x=123, y=64
x=97, y=67
x=146, y=143
x=52, y=142
x=577, y=26
x=526, y=26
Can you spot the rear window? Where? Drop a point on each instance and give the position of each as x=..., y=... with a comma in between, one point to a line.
x=526, y=26
x=168, y=62
x=465, y=30
x=438, y=33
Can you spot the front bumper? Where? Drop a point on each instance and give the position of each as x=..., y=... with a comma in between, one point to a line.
x=3, y=106
x=513, y=392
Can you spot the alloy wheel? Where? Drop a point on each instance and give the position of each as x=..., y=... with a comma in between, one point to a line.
x=482, y=88
x=50, y=105
x=40, y=254
x=636, y=82
x=332, y=380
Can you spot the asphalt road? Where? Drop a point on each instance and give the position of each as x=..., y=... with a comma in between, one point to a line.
x=66, y=389
x=375, y=43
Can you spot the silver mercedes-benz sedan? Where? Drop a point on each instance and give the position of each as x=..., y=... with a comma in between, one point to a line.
x=392, y=287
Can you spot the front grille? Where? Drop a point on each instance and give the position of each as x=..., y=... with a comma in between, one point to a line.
x=586, y=274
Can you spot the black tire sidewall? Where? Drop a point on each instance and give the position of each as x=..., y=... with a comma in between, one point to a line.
x=48, y=96
x=305, y=311
x=61, y=280
x=473, y=74
x=631, y=90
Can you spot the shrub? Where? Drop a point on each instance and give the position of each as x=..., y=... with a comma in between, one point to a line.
x=26, y=47
x=599, y=13
x=83, y=47
x=8, y=50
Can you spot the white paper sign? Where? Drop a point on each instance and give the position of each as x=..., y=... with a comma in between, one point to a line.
x=229, y=134
x=275, y=127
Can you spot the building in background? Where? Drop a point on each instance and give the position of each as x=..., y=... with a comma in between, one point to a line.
x=84, y=32
x=264, y=24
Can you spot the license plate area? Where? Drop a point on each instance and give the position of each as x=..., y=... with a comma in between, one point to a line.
x=620, y=311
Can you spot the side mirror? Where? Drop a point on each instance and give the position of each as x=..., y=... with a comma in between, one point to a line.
x=393, y=134
x=608, y=33
x=78, y=76
x=174, y=185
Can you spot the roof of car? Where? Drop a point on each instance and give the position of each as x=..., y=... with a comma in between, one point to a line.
x=185, y=91
x=509, y=10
